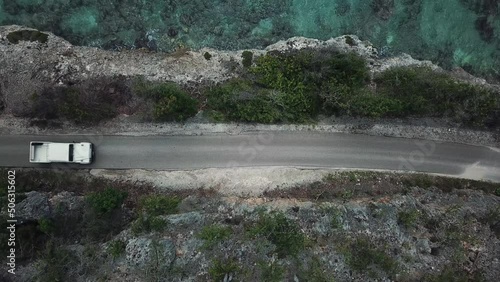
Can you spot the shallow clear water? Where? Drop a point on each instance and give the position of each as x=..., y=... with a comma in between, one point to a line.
x=449, y=32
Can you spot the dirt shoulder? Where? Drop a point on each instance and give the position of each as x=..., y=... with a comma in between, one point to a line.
x=428, y=129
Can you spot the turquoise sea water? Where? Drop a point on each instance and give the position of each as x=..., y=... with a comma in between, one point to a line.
x=462, y=33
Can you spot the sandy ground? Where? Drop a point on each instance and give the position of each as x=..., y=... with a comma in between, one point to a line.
x=230, y=182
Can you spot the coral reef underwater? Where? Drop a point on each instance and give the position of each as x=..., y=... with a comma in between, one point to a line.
x=464, y=33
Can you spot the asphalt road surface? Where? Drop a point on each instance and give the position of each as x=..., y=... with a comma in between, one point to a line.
x=301, y=149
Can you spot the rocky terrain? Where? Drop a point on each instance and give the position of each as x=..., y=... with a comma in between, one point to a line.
x=342, y=226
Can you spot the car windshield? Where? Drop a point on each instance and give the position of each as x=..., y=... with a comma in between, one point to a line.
x=71, y=152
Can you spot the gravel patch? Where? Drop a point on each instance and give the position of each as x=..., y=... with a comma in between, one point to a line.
x=230, y=181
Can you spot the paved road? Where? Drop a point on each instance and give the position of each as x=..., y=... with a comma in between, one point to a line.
x=271, y=149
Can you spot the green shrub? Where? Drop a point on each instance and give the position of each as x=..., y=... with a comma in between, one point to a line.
x=247, y=58
x=155, y=205
x=349, y=69
x=281, y=231
x=116, y=248
x=370, y=105
x=213, y=234
x=424, y=92
x=221, y=269
x=238, y=100
x=27, y=35
x=146, y=224
x=314, y=272
x=272, y=271
x=216, y=116
x=409, y=218
x=171, y=102
x=106, y=200
x=207, y=56
x=418, y=180
x=335, y=216
x=46, y=225
x=360, y=254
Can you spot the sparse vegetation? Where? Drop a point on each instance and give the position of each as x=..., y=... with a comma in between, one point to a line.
x=409, y=218
x=46, y=225
x=261, y=245
x=352, y=184
x=314, y=272
x=335, y=216
x=146, y=224
x=222, y=270
x=107, y=200
x=155, y=205
x=116, y=248
x=87, y=103
x=281, y=231
x=213, y=234
x=361, y=253
x=271, y=271
x=55, y=263
x=455, y=274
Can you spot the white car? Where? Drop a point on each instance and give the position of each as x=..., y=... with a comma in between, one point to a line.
x=52, y=152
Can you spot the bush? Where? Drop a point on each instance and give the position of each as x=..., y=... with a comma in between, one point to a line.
x=171, y=102
x=220, y=269
x=424, y=92
x=360, y=254
x=313, y=272
x=107, y=200
x=375, y=106
x=309, y=76
x=46, y=225
x=409, y=218
x=247, y=59
x=155, y=205
x=238, y=100
x=213, y=234
x=418, y=180
x=281, y=231
x=272, y=271
x=290, y=86
x=146, y=224
x=116, y=248
x=207, y=56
